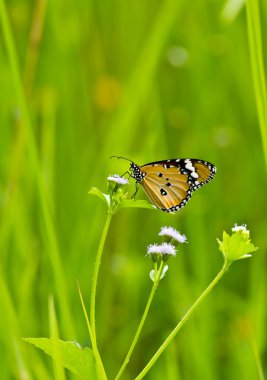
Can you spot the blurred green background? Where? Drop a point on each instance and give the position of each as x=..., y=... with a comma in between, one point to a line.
x=149, y=80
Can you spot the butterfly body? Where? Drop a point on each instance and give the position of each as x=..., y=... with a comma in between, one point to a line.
x=170, y=183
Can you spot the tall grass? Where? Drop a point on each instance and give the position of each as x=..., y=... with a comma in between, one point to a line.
x=45, y=200
x=257, y=64
x=81, y=81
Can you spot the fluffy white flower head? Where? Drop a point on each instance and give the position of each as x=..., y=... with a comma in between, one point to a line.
x=173, y=234
x=161, y=249
x=117, y=179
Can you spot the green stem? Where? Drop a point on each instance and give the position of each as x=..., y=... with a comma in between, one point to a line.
x=157, y=273
x=182, y=322
x=100, y=367
x=95, y=275
x=257, y=358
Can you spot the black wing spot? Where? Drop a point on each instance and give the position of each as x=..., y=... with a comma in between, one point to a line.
x=168, y=184
x=160, y=175
x=163, y=192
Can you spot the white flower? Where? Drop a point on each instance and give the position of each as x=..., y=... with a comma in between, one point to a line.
x=161, y=249
x=117, y=179
x=173, y=234
x=242, y=228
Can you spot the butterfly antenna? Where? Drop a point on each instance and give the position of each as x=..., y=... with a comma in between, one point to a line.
x=124, y=158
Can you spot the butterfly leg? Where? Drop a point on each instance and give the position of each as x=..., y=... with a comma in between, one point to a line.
x=136, y=189
x=129, y=174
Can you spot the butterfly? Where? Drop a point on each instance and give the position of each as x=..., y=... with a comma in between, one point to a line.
x=169, y=184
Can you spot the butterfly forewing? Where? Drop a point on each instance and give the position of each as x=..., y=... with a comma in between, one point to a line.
x=169, y=184
x=203, y=171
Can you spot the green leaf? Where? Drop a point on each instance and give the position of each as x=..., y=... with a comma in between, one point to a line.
x=104, y=197
x=137, y=203
x=71, y=356
x=236, y=246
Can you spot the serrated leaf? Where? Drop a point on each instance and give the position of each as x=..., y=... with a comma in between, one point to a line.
x=78, y=360
x=236, y=246
x=104, y=197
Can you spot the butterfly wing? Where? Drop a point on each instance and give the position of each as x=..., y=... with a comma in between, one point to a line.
x=170, y=184
x=168, y=191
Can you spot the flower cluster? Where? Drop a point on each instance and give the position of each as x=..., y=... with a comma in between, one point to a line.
x=171, y=234
x=163, y=251
x=160, y=253
x=115, y=178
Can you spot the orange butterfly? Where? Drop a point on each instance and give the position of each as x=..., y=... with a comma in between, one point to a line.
x=169, y=184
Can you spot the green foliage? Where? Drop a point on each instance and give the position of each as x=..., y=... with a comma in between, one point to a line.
x=236, y=246
x=138, y=203
x=117, y=199
x=70, y=355
x=81, y=81
x=104, y=197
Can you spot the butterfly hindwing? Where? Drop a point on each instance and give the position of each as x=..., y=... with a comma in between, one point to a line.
x=169, y=184
x=166, y=190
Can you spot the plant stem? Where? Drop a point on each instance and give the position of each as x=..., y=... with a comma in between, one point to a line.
x=100, y=367
x=54, y=333
x=95, y=275
x=182, y=322
x=257, y=358
x=157, y=273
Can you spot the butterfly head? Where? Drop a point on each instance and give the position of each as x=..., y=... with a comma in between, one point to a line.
x=135, y=170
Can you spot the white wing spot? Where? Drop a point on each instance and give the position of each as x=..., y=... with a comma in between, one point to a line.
x=189, y=165
x=194, y=174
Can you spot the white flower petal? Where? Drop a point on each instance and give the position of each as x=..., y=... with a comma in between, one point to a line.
x=162, y=249
x=117, y=179
x=237, y=228
x=172, y=233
